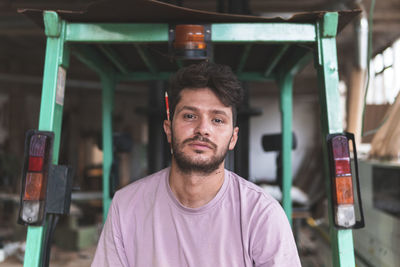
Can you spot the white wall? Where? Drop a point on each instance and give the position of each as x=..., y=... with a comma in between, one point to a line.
x=306, y=122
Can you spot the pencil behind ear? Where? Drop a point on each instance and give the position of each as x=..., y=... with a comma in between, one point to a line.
x=167, y=105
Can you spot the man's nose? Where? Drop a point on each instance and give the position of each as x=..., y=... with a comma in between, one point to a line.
x=203, y=127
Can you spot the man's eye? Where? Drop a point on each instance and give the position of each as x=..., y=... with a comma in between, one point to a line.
x=218, y=121
x=189, y=116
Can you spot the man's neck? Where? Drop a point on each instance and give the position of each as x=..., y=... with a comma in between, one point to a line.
x=194, y=190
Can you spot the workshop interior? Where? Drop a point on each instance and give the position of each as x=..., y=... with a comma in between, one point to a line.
x=82, y=105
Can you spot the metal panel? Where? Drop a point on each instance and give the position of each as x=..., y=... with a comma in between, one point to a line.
x=378, y=243
x=50, y=118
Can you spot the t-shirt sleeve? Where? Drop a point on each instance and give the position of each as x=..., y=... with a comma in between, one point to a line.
x=273, y=242
x=110, y=249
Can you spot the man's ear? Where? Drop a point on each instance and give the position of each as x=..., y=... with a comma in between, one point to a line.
x=167, y=129
x=234, y=138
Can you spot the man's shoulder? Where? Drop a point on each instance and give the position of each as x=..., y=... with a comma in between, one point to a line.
x=256, y=204
x=250, y=192
x=143, y=186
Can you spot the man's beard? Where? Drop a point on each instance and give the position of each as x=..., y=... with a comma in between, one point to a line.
x=188, y=165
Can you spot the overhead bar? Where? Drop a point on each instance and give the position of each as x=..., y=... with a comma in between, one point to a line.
x=220, y=32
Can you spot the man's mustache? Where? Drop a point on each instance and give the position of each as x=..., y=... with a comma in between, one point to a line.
x=201, y=139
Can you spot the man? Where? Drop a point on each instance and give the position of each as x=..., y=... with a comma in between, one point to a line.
x=196, y=213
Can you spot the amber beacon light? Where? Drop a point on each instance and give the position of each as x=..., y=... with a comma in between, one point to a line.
x=343, y=204
x=190, y=41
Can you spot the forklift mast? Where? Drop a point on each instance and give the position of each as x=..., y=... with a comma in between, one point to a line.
x=294, y=43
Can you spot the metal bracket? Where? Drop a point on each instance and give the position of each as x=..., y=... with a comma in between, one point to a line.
x=329, y=25
x=52, y=24
x=59, y=189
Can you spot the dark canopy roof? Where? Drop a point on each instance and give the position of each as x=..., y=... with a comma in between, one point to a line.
x=147, y=11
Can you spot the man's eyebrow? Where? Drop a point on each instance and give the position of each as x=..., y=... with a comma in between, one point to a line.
x=194, y=109
x=188, y=108
x=219, y=112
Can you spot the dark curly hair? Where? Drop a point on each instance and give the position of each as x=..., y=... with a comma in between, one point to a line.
x=218, y=78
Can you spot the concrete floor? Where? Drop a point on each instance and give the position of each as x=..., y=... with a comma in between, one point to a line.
x=313, y=250
x=60, y=258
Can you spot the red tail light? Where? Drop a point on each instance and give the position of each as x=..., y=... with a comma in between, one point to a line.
x=342, y=166
x=35, y=164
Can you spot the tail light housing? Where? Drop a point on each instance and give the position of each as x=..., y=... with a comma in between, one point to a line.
x=37, y=161
x=343, y=204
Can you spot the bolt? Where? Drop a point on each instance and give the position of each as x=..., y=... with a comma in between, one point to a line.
x=332, y=67
x=29, y=219
x=208, y=31
x=171, y=30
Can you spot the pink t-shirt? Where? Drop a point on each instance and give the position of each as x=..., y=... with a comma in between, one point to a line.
x=241, y=226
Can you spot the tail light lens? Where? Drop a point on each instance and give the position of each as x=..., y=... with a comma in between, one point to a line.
x=34, y=187
x=344, y=190
x=35, y=164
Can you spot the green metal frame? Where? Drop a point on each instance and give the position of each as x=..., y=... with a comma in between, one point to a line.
x=331, y=121
x=57, y=56
x=286, y=104
x=108, y=84
x=62, y=35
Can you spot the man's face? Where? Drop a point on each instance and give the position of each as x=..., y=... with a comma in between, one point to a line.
x=201, y=132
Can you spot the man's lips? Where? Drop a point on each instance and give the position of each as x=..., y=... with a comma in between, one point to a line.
x=200, y=142
x=200, y=145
